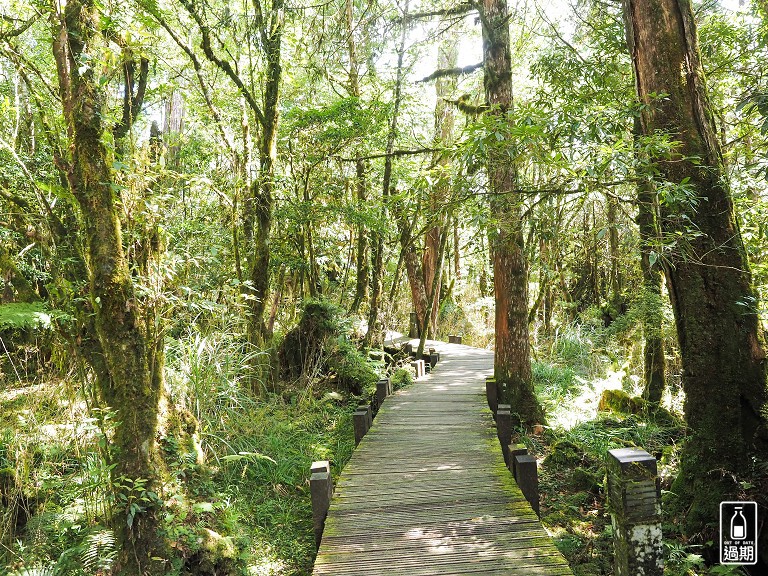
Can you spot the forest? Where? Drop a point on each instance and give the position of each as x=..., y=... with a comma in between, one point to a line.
x=214, y=214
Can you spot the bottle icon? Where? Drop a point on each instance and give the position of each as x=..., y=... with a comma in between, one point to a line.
x=738, y=525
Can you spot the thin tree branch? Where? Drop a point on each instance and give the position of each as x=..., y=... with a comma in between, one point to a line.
x=224, y=65
x=443, y=72
x=463, y=8
x=393, y=154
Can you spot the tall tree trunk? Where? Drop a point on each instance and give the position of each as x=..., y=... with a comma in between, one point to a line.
x=653, y=351
x=512, y=365
x=413, y=265
x=434, y=290
x=259, y=203
x=361, y=182
x=447, y=55
x=707, y=274
x=262, y=190
x=616, y=281
x=133, y=393
x=374, y=335
x=361, y=251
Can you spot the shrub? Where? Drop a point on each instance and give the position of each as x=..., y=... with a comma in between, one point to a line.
x=401, y=378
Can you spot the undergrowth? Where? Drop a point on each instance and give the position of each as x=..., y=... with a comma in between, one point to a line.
x=574, y=368
x=238, y=460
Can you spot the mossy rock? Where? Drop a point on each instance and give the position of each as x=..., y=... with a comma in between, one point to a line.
x=216, y=556
x=564, y=453
x=620, y=402
x=585, y=480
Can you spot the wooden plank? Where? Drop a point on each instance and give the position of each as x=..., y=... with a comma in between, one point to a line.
x=426, y=492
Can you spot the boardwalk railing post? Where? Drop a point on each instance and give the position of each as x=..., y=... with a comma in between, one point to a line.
x=504, y=429
x=527, y=477
x=368, y=409
x=382, y=390
x=434, y=357
x=515, y=450
x=361, y=419
x=490, y=394
x=633, y=496
x=321, y=489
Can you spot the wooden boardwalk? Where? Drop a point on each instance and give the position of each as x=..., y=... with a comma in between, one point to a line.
x=426, y=492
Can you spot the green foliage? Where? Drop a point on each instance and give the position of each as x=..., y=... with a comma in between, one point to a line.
x=401, y=378
x=319, y=344
x=23, y=316
x=99, y=551
x=353, y=370
x=40, y=570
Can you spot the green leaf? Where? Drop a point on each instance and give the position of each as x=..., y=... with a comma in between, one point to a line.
x=246, y=456
x=23, y=315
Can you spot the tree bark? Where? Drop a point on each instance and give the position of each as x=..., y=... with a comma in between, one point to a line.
x=707, y=272
x=374, y=335
x=361, y=181
x=512, y=365
x=447, y=56
x=413, y=265
x=653, y=272
x=132, y=391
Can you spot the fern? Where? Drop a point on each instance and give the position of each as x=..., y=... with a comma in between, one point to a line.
x=99, y=551
x=49, y=570
x=23, y=315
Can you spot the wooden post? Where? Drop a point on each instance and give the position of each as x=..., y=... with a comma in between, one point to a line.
x=382, y=390
x=321, y=489
x=434, y=357
x=515, y=450
x=490, y=394
x=360, y=421
x=409, y=349
x=368, y=409
x=633, y=497
x=418, y=366
x=504, y=429
x=527, y=477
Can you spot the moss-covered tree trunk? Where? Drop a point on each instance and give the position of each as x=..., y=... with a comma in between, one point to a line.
x=707, y=272
x=447, y=55
x=262, y=190
x=512, y=365
x=651, y=267
x=361, y=179
x=131, y=391
x=374, y=335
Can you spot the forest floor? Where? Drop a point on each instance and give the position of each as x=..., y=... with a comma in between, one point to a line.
x=250, y=499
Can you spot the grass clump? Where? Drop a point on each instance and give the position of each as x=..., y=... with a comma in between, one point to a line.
x=401, y=378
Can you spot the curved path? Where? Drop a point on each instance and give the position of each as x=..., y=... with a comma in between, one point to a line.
x=426, y=492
